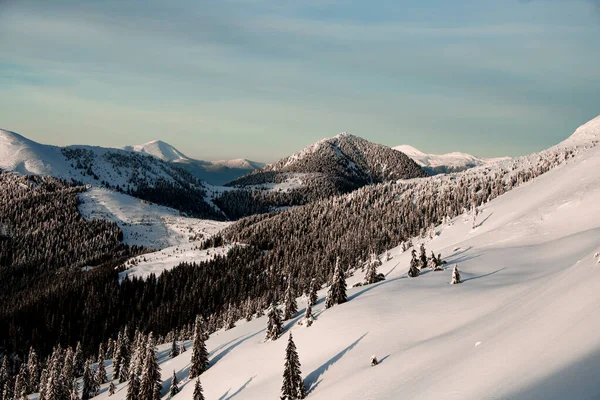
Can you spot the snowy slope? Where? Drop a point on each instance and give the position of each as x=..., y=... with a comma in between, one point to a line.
x=159, y=149
x=522, y=325
x=442, y=163
x=144, y=223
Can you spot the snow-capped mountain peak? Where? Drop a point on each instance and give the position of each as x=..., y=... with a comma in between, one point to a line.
x=159, y=149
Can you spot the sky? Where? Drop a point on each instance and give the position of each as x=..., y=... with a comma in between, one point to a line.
x=261, y=79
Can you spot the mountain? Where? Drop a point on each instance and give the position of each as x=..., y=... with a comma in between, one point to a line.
x=521, y=324
x=444, y=163
x=327, y=168
x=214, y=172
x=143, y=176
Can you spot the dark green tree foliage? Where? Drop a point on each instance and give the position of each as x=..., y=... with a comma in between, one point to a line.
x=336, y=294
x=290, y=306
x=199, y=360
x=198, y=393
x=150, y=383
x=274, y=323
x=293, y=386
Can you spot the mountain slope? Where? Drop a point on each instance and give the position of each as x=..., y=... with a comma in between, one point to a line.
x=140, y=175
x=444, y=163
x=521, y=325
x=327, y=168
x=214, y=172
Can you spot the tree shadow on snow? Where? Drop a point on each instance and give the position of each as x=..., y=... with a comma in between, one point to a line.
x=483, y=276
x=383, y=359
x=463, y=259
x=237, y=391
x=372, y=286
x=222, y=354
x=312, y=380
x=485, y=219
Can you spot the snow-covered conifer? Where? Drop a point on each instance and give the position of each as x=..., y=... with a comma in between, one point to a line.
x=314, y=287
x=124, y=356
x=274, y=323
x=336, y=294
x=174, y=388
x=150, y=383
x=87, y=382
x=455, y=275
x=290, y=307
x=101, y=374
x=111, y=388
x=199, y=361
x=78, y=360
x=74, y=395
x=174, y=348
x=198, y=393
x=422, y=257
x=413, y=270
x=293, y=386
x=34, y=368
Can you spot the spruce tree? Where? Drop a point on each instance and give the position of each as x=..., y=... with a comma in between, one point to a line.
x=87, y=382
x=371, y=275
x=293, y=386
x=43, y=384
x=314, y=287
x=455, y=276
x=111, y=388
x=336, y=294
x=101, y=375
x=413, y=271
x=174, y=348
x=117, y=356
x=290, y=307
x=308, y=317
x=68, y=371
x=125, y=356
x=199, y=361
x=150, y=383
x=74, y=395
x=4, y=372
x=198, y=395
x=21, y=382
x=274, y=323
x=33, y=366
x=174, y=388
x=133, y=387
x=422, y=257
x=78, y=360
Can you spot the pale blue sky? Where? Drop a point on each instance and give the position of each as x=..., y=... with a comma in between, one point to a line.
x=261, y=79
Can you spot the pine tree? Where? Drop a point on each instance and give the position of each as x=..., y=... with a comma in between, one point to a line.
x=43, y=384
x=21, y=382
x=78, y=360
x=198, y=395
x=174, y=388
x=455, y=276
x=371, y=275
x=293, y=386
x=87, y=381
x=150, y=383
x=308, y=317
x=314, y=287
x=274, y=323
x=74, y=395
x=124, y=356
x=101, y=375
x=413, y=271
x=33, y=366
x=423, y=257
x=336, y=294
x=290, y=306
x=174, y=348
x=199, y=361
x=110, y=348
x=111, y=388
x=117, y=356
x=133, y=388
x=68, y=372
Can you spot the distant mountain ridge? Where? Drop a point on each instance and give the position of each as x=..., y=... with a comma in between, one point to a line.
x=214, y=172
x=445, y=163
x=137, y=174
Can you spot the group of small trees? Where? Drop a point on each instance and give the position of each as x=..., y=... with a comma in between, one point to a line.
x=417, y=264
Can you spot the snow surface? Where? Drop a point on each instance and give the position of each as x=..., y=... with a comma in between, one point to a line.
x=166, y=259
x=159, y=149
x=454, y=160
x=144, y=223
x=522, y=325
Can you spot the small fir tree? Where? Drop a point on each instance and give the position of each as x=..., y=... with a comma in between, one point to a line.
x=336, y=294
x=101, y=375
x=174, y=388
x=199, y=361
x=293, y=386
x=198, y=393
x=455, y=276
x=290, y=307
x=413, y=270
x=274, y=323
x=314, y=287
